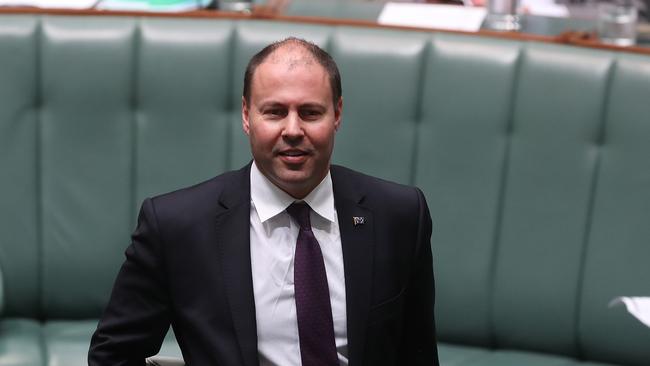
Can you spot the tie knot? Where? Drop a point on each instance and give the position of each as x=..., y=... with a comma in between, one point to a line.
x=300, y=212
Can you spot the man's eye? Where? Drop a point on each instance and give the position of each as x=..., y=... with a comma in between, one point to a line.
x=274, y=112
x=310, y=114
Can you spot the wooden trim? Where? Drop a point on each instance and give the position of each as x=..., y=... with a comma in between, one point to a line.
x=579, y=39
x=593, y=42
x=131, y=13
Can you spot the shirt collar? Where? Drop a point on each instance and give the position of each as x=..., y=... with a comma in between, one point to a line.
x=269, y=200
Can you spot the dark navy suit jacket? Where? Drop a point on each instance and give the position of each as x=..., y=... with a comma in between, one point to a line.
x=189, y=266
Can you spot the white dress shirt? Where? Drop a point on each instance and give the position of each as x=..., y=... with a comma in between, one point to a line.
x=273, y=236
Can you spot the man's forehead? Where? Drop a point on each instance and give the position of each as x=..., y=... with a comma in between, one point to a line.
x=292, y=55
x=290, y=64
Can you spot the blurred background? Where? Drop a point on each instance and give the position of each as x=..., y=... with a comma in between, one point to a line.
x=618, y=22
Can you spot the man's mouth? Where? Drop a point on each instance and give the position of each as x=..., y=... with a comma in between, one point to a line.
x=293, y=156
x=293, y=152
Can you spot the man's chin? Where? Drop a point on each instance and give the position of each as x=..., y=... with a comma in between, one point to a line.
x=296, y=183
x=294, y=179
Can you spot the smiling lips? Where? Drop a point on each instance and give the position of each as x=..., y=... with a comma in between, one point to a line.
x=293, y=156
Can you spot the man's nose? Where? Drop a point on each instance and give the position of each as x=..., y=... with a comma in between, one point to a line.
x=293, y=127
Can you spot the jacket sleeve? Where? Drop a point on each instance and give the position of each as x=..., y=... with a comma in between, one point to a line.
x=137, y=316
x=419, y=345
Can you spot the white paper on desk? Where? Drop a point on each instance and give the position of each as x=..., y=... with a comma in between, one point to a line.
x=53, y=4
x=546, y=8
x=451, y=17
x=147, y=5
x=639, y=307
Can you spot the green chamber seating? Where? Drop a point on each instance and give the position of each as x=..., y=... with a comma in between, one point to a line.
x=533, y=157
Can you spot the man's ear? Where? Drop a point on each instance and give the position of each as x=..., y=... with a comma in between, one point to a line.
x=245, y=117
x=338, y=112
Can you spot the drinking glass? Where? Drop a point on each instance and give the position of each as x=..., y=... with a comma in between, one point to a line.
x=502, y=15
x=617, y=22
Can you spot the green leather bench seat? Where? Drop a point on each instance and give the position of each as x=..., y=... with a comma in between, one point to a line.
x=66, y=342
x=533, y=158
x=454, y=355
x=20, y=342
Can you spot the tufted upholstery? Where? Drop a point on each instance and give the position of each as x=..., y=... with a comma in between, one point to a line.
x=533, y=158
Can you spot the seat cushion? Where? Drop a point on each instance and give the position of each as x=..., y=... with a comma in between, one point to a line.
x=455, y=355
x=20, y=343
x=67, y=343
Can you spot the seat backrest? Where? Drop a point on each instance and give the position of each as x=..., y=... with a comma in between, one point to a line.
x=524, y=171
x=616, y=260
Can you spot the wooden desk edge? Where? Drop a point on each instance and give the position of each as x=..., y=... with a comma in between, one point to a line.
x=579, y=39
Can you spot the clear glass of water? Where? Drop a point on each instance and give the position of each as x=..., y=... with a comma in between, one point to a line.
x=502, y=15
x=242, y=6
x=617, y=22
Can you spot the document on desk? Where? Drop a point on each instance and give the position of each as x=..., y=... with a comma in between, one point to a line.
x=152, y=5
x=546, y=8
x=451, y=17
x=639, y=307
x=51, y=4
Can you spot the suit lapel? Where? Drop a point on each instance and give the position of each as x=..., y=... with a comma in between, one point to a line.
x=233, y=239
x=358, y=253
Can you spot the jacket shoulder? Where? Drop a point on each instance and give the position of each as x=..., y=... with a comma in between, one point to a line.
x=374, y=189
x=202, y=198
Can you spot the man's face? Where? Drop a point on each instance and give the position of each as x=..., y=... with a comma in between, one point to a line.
x=290, y=120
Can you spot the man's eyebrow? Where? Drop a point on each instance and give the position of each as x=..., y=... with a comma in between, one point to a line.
x=270, y=104
x=313, y=105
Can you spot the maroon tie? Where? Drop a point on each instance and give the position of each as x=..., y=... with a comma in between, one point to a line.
x=313, y=309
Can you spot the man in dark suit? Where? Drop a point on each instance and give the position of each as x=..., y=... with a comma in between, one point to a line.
x=287, y=261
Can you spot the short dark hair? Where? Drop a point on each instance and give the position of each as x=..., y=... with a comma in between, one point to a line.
x=322, y=57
